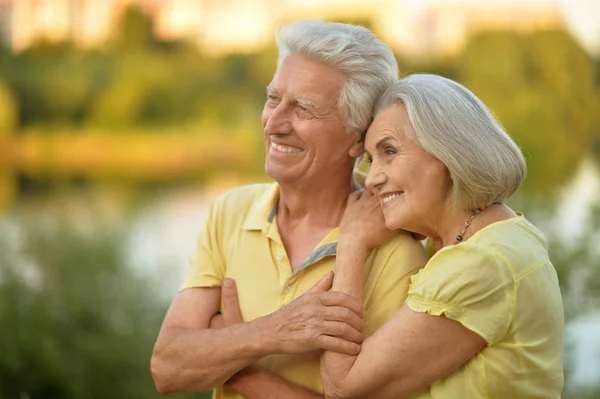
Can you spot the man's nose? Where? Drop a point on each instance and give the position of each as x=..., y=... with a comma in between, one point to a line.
x=375, y=177
x=278, y=122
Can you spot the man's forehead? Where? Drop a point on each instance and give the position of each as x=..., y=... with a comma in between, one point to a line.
x=304, y=87
x=299, y=77
x=319, y=95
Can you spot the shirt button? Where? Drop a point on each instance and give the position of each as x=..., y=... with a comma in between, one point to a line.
x=287, y=290
x=279, y=256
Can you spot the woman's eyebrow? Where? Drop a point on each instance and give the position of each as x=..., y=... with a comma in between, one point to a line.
x=381, y=143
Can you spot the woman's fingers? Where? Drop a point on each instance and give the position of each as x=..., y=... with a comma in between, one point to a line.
x=324, y=284
x=343, y=315
x=367, y=193
x=342, y=330
x=335, y=298
x=335, y=344
x=355, y=196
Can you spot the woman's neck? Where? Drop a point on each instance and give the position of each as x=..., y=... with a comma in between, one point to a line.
x=454, y=224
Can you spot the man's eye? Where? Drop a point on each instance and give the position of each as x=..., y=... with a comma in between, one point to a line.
x=271, y=97
x=305, y=112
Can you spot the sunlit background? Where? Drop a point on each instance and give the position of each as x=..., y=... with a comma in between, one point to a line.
x=120, y=120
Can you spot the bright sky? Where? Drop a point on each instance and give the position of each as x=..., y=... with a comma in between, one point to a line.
x=582, y=16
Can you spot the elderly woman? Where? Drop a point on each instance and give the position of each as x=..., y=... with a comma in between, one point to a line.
x=484, y=317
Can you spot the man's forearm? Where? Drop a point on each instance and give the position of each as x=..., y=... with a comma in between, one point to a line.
x=255, y=382
x=198, y=360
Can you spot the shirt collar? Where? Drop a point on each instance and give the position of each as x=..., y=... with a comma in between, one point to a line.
x=263, y=210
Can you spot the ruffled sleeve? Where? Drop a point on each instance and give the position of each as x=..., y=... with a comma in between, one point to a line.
x=468, y=284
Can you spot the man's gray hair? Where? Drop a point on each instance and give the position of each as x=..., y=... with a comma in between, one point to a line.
x=368, y=64
x=453, y=125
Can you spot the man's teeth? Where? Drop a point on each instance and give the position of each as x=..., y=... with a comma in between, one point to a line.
x=284, y=148
x=390, y=197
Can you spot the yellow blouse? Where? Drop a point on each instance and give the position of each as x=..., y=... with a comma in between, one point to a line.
x=501, y=285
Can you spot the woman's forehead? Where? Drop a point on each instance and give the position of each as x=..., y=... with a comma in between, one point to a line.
x=391, y=122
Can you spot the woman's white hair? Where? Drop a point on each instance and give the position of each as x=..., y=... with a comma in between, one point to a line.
x=453, y=125
x=368, y=64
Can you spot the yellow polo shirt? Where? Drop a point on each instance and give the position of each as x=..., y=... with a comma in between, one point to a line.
x=241, y=241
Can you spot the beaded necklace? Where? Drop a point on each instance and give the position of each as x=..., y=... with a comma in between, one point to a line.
x=460, y=235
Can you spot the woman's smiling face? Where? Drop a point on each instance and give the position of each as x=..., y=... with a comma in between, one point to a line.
x=413, y=186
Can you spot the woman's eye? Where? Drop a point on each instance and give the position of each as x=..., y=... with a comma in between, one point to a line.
x=369, y=159
x=389, y=151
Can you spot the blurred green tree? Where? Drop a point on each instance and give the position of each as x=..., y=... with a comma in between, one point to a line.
x=78, y=322
x=55, y=83
x=135, y=31
x=122, y=101
x=9, y=111
x=542, y=88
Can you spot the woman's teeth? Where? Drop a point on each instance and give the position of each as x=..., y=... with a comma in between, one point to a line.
x=390, y=197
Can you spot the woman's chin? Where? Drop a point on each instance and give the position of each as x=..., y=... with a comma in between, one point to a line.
x=392, y=224
x=397, y=223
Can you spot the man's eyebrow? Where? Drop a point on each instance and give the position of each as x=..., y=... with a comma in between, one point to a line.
x=271, y=89
x=305, y=102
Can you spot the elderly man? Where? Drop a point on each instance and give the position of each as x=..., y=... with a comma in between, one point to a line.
x=277, y=240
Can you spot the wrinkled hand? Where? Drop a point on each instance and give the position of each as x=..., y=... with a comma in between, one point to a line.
x=230, y=315
x=319, y=319
x=230, y=308
x=363, y=222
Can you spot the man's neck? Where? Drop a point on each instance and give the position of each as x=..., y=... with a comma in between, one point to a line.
x=319, y=204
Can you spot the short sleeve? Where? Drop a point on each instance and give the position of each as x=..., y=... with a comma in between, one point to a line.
x=387, y=280
x=468, y=284
x=207, y=268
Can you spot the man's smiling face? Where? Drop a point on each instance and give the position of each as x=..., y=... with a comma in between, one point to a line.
x=305, y=135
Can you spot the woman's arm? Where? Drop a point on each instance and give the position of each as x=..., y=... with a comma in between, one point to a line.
x=348, y=279
x=410, y=351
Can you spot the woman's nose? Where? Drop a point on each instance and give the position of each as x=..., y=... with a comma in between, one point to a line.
x=375, y=177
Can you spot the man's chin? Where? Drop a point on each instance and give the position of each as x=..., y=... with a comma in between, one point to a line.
x=282, y=175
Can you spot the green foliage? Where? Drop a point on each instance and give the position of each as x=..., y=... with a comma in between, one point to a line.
x=136, y=31
x=77, y=321
x=9, y=112
x=542, y=88
x=55, y=84
x=583, y=393
x=578, y=267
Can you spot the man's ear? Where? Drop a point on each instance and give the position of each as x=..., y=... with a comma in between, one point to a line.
x=357, y=148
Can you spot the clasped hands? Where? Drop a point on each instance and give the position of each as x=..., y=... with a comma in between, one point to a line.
x=319, y=319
